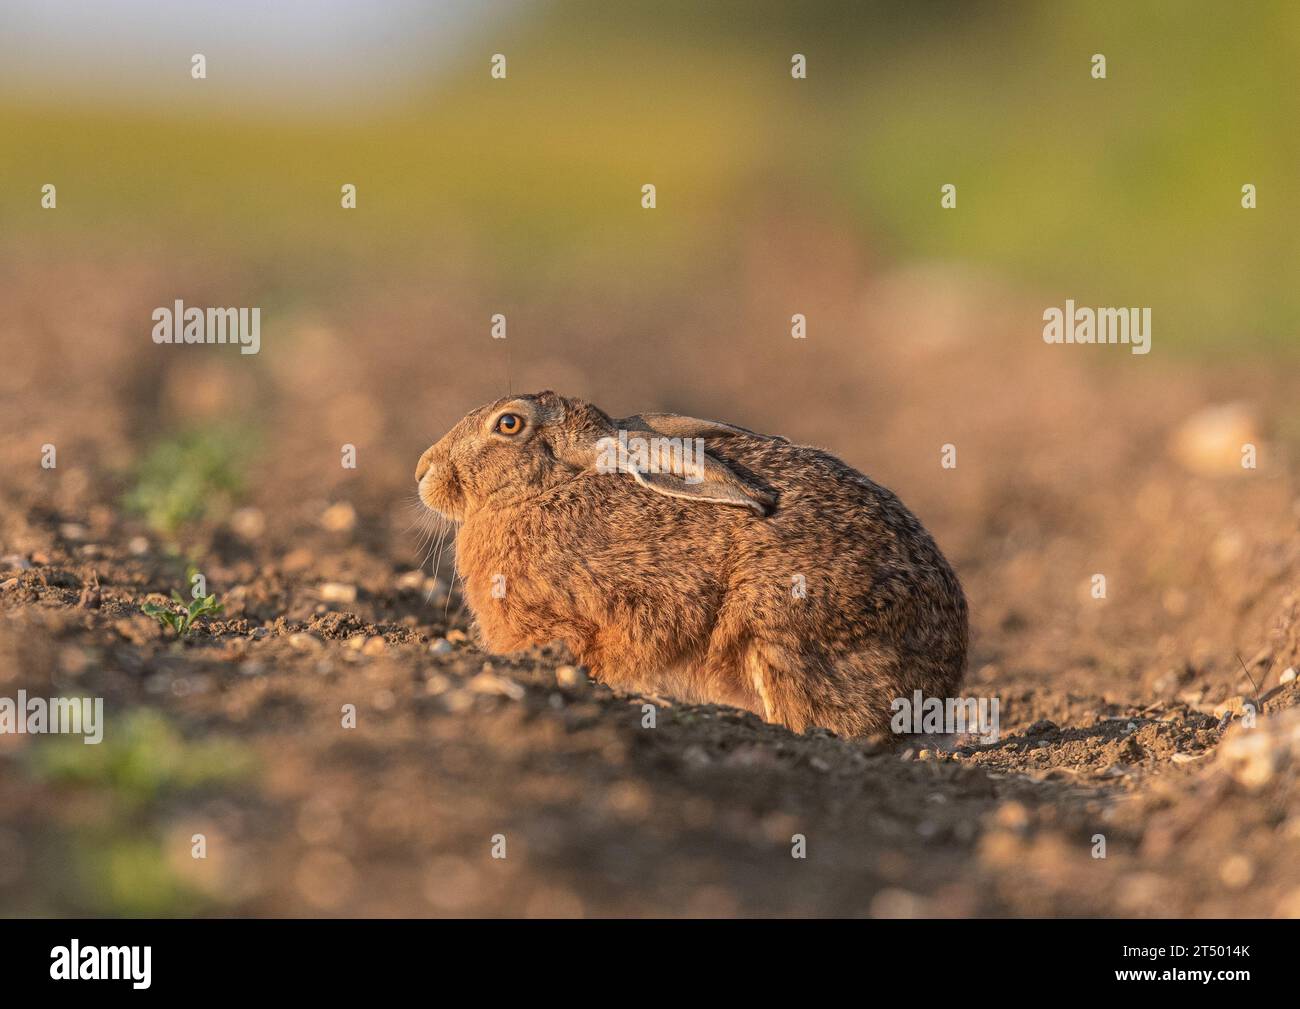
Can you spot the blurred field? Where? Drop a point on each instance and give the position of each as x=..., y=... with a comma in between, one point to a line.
x=775, y=196
x=1126, y=189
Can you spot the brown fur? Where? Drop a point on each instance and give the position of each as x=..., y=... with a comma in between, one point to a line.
x=691, y=596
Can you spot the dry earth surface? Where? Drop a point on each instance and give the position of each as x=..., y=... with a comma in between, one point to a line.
x=1128, y=716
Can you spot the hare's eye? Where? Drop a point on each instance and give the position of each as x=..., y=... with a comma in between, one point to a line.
x=510, y=423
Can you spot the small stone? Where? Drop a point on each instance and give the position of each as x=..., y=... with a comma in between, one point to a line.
x=818, y=764
x=1209, y=442
x=925, y=755
x=1287, y=675
x=304, y=642
x=1236, y=871
x=337, y=592
x=1258, y=756
x=411, y=581
x=139, y=546
x=458, y=701
x=457, y=636
x=297, y=560
x=248, y=523
x=440, y=647
x=696, y=756
x=374, y=646
x=15, y=562
x=491, y=683
x=571, y=676
x=1232, y=706
x=1012, y=815
x=339, y=518
x=73, y=661
x=72, y=531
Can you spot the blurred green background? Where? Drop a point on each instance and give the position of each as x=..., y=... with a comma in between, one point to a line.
x=1122, y=191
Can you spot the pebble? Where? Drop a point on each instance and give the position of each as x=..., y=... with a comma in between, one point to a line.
x=696, y=755
x=458, y=636
x=304, y=642
x=139, y=546
x=1287, y=675
x=440, y=647
x=1258, y=756
x=1209, y=441
x=297, y=560
x=339, y=518
x=1232, y=706
x=491, y=683
x=457, y=701
x=374, y=646
x=1236, y=872
x=571, y=676
x=248, y=523
x=338, y=592
x=1012, y=815
x=15, y=562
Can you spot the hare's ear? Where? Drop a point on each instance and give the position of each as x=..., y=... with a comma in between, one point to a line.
x=704, y=479
x=675, y=425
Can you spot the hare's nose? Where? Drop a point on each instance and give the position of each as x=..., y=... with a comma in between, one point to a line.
x=422, y=467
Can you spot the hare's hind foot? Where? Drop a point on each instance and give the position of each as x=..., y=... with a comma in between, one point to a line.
x=774, y=673
x=802, y=690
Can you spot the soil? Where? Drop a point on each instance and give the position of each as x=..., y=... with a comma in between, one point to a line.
x=1157, y=725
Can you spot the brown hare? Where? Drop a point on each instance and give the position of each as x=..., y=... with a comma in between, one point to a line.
x=754, y=572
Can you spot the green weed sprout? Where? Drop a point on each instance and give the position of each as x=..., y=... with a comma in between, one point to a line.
x=183, y=622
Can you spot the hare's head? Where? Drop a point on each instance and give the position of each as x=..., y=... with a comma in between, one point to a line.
x=522, y=446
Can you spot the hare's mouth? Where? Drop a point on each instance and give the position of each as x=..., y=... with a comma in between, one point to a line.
x=440, y=491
